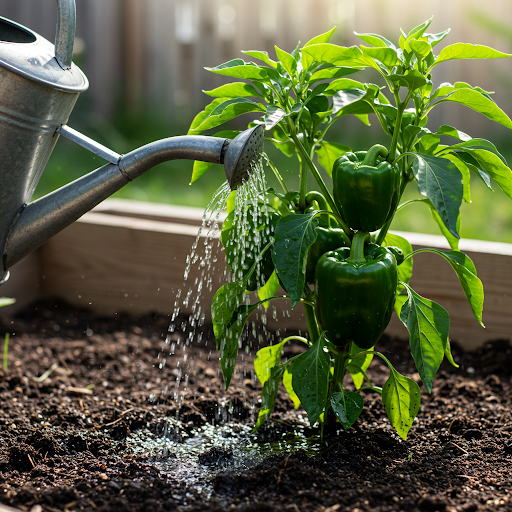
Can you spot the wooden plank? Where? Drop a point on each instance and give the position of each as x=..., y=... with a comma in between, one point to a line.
x=111, y=261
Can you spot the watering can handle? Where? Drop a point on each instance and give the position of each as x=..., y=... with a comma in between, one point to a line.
x=65, y=35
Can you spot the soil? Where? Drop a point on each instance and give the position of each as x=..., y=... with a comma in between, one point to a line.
x=67, y=438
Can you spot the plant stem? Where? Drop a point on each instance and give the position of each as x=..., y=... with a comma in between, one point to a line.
x=314, y=195
x=384, y=230
x=372, y=154
x=303, y=187
x=276, y=172
x=321, y=184
x=340, y=365
x=398, y=123
x=309, y=313
x=357, y=248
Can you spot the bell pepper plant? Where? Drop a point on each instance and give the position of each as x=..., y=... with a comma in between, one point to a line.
x=330, y=250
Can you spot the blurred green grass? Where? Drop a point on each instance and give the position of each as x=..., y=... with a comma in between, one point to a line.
x=488, y=217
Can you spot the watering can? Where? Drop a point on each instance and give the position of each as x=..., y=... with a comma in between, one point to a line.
x=39, y=86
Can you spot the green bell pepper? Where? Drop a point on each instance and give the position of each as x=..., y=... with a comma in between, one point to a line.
x=327, y=239
x=366, y=191
x=355, y=291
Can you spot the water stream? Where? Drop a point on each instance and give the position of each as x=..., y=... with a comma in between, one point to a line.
x=182, y=452
x=205, y=261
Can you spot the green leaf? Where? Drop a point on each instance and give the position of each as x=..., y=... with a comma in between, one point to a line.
x=4, y=301
x=294, y=235
x=343, y=84
x=287, y=60
x=273, y=116
x=435, y=39
x=363, y=118
x=405, y=269
x=412, y=80
x=229, y=318
x=399, y=302
x=329, y=152
x=468, y=51
x=287, y=381
x=409, y=133
x=428, y=143
x=446, y=88
x=428, y=324
x=199, y=169
x=237, y=68
x=336, y=55
x=230, y=340
x=452, y=132
x=310, y=379
x=233, y=90
x=466, y=175
x=225, y=111
x=266, y=358
x=269, y=289
x=322, y=38
x=417, y=32
x=401, y=397
x=332, y=72
x=225, y=301
x=466, y=272
x=477, y=144
x=480, y=103
x=420, y=48
x=261, y=56
x=344, y=98
x=286, y=147
x=375, y=40
x=358, y=365
x=449, y=356
x=347, y=406
x=441, y=181
x=452, y=240
x=493, y=165
x=269, y=395
x=201, y=116
x=386, y=56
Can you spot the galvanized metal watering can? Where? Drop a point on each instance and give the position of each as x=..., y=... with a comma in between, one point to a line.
x=39, y=86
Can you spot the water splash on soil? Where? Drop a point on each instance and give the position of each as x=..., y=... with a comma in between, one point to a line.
x=195, y=457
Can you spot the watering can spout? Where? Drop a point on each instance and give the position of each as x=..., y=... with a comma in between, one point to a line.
x=40, y=85
x=38, y=221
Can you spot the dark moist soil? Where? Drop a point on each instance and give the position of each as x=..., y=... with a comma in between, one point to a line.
x=63, y=439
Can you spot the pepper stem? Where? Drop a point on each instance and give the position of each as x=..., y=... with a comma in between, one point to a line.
x=373, y=153
x=357, y=248
x=322, y=203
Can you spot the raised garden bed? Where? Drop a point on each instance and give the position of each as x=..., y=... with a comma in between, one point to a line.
x=142, y=270
x=70, y=441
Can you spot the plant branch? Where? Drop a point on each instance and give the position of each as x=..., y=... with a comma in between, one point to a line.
x=321, y=184
x=276, y=172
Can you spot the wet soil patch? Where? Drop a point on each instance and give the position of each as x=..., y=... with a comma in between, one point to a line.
x=66, y=440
